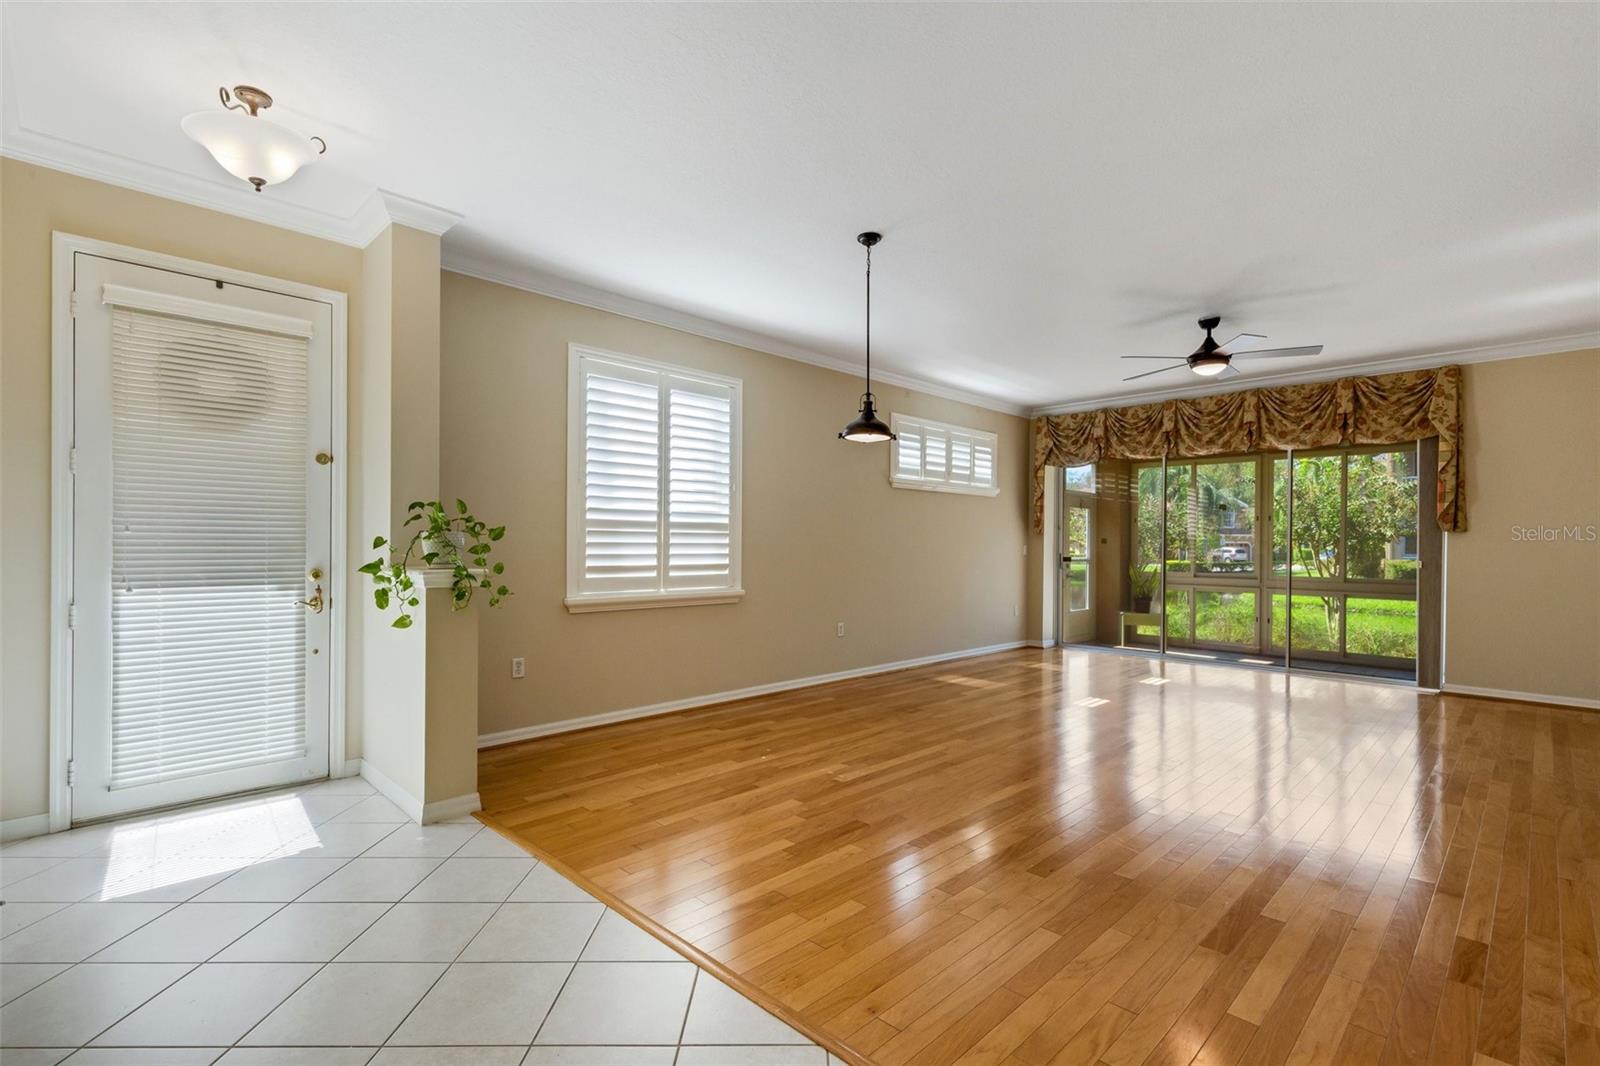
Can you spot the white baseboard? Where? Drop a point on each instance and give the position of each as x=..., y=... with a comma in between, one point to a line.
x=32, y=825
x=454, y=807
x=391, y=791
x=489, y=740
x=1039, y=643
x=416, y=810
x=1521, y=697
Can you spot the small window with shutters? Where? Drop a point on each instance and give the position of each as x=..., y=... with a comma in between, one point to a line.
x=652, y=484
x=942, y=458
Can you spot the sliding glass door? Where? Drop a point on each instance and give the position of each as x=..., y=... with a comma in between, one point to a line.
x=1213, y=584
x=1308, y=560
x=1345, y=558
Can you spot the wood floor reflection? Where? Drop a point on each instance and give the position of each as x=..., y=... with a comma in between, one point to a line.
x=1051, y=857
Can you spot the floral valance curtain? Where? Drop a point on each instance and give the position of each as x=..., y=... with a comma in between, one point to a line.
x=1383, y=409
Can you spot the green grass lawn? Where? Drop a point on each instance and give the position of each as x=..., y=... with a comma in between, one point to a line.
x=1375, y=627
x=1381, y=627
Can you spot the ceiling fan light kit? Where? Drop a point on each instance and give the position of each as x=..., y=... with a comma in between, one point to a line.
x=1213, y=360
x=868, y=428
x=248, y=145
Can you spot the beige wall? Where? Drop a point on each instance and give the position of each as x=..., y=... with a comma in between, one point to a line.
x=1523, y=615
x=33, y=202
x=825, y=537
x=414, y=340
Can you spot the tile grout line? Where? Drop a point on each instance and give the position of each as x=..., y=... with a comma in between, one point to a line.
x=683, y=1026
x=571, y=969
x=279, y=906
x=196, y=966
x=282, y=906
x=192, y=966
x=435, y=983
x=329, y=962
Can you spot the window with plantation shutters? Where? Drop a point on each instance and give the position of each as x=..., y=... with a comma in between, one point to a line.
x=944, y=458
x=653, y=484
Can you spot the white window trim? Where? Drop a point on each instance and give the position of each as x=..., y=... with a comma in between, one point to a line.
x=923, y=485
x=578, y=602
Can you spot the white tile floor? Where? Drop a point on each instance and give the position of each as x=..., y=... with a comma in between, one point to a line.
x=318, y=927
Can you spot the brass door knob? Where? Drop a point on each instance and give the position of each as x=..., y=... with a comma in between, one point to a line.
x=315, y=602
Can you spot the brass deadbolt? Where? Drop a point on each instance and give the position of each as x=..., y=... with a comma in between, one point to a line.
x=316, y=573
x=323, y=458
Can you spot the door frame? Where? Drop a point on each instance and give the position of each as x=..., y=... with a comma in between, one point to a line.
x=63, y=247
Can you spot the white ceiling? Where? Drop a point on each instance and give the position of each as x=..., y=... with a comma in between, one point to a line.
x=1057, y=185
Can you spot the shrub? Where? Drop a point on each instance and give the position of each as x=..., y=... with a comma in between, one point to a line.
x=1400, y=569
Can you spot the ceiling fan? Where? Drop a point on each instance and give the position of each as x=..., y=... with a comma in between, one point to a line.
x=1213, y=360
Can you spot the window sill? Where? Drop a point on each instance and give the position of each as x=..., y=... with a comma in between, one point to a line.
x=941, y=486
x=638, y=601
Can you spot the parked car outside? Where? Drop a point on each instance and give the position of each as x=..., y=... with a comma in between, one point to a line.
x=1230, y=553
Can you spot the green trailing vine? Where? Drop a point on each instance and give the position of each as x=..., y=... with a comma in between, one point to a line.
x=435, y=541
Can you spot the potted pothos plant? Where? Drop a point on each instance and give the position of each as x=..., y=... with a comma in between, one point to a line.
x=460, y=541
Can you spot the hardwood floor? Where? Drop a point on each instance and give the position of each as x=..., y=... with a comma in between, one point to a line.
x=1050, y=857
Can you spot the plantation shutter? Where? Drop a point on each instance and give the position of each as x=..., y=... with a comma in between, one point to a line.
x=699, y=484
x=932, y=455
x=908, y=451
x=983, y=462
x=659, y=471
x=960, y=459
x=208, y=543
x=621, y=478
x=934, y=447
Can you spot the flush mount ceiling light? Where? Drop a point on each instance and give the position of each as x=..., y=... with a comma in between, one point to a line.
x=248, y=146
x=868, y=428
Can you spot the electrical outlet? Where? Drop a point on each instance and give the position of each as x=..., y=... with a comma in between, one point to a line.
x=1014, y=611
x=519, y=667
x=841, y=629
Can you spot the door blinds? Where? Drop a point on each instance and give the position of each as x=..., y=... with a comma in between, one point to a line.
x=208, y=546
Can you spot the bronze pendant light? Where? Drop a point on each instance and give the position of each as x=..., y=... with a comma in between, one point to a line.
x=868, y=428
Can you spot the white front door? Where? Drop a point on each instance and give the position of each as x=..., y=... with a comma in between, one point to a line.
x=201, y=538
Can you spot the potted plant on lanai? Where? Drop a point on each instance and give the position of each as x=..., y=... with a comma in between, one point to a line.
x=1142, y=580
x=459, y=541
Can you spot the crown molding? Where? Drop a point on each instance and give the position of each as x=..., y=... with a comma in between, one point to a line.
x=1384, y=365
x=228, y=197
x=575, y=292
x=384, y=208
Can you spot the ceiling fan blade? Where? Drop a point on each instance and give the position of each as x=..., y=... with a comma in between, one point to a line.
x=1227, y=372
x=1175, y=358
x=1279, y=353
x=1243, y=343
x=1158, y=370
